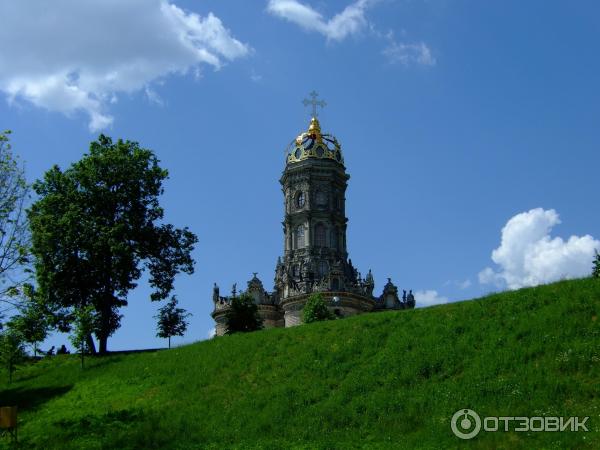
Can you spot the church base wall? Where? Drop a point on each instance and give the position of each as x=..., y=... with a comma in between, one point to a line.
x=270, y=323
x=293, y=318
x=289, y=313
x=346, y=304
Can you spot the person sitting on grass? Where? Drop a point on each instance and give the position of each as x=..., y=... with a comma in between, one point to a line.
x=62, y=350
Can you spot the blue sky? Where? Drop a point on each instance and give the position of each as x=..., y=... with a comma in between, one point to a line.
x=469, y=129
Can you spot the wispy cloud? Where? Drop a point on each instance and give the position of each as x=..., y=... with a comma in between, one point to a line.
x=409, y=53
x=256, y=77
x=351, y=21
x=83, y=54
x=346, y=23
x=465, y=284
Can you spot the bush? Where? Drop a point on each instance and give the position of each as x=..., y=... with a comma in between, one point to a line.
x=242, y=315
x=316, y=310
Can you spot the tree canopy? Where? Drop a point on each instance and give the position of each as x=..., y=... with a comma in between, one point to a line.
x=96, y=226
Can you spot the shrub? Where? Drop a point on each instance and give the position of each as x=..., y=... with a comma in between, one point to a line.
x=242, y=315
x=316, y=310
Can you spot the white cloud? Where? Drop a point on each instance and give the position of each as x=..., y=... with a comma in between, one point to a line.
x=429, y=298
x=528, y=255
x=407, y=53
x=76, y=56
x=212, y=333
x=350, y=21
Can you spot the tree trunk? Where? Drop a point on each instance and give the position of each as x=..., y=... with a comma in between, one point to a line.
x=91, y=345
x=103, y=332
x=169, y=341
x=102, y=343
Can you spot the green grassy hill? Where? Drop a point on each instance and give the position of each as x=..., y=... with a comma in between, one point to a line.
x=387, y=380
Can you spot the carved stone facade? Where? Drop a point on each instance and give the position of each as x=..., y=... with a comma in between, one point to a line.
x=315, y=257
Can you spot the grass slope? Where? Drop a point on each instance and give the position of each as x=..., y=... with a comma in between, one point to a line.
x=387, y=380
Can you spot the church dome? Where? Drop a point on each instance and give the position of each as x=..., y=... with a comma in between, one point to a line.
x=314, y=144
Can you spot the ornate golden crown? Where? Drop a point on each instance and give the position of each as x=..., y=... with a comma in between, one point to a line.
x=314, y=144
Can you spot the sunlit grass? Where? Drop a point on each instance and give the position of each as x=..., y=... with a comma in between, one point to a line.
x=385, y=380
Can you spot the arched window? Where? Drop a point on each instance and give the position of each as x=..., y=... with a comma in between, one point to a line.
x=321, y=198
x=338, y=200
x=300, y=236
x=323, y=268
x=296, y=270
x=334, y=238
x=320, y=235
x=300, y=199
x=335, y=284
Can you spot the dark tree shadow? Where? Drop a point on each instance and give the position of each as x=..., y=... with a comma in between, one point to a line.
x=25, y=398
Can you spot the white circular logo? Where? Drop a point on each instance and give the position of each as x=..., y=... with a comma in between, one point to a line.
x=465, y=423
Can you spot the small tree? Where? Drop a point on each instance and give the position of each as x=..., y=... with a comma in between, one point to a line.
x=14, y=233
x=596, y=269
x=32, y=322
x=32, y=325
x=12, y=351
x=84, y=322
x=316, y=310
x=242, y=315
x=171, y=320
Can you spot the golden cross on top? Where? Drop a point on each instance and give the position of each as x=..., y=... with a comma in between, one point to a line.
x=314, y=102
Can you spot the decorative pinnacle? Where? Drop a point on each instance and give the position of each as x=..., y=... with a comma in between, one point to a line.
x=314, y=103
x=314, y=129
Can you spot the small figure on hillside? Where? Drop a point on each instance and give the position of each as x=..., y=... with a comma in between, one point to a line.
x=62, y=350
x=403, y=295
x=50, y=352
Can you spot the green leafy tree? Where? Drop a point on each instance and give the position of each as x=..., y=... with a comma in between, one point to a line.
x=84, y=323
x=596, y=268
x=12, y=351
x=242, y=315
x=316, y=309
x=171, y=320
x=94, y=228
x=14, y=234
x=31, y=322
